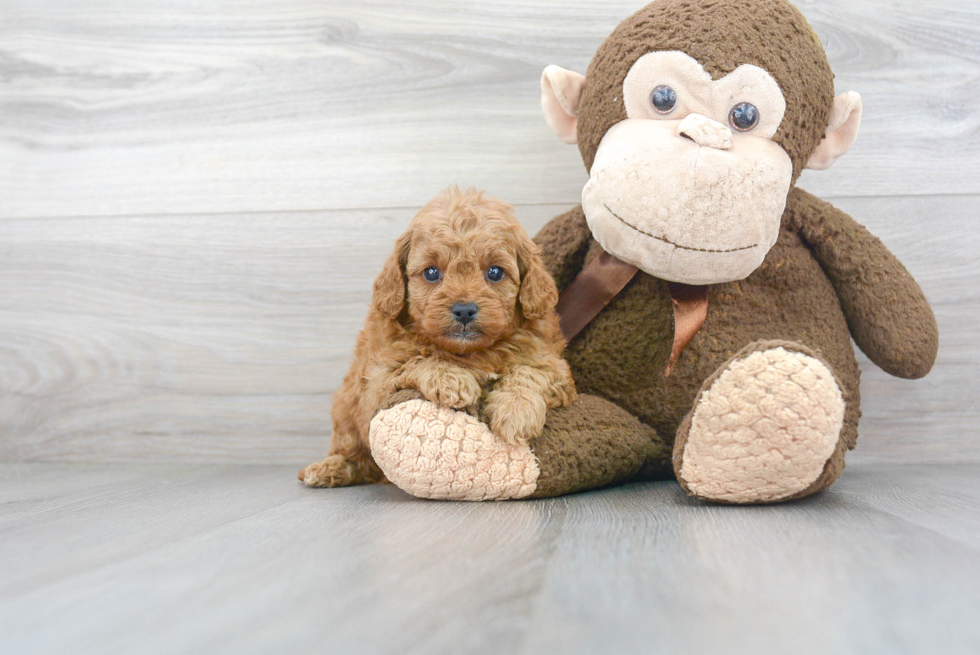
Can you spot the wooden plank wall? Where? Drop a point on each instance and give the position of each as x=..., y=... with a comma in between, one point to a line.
x=194, y=198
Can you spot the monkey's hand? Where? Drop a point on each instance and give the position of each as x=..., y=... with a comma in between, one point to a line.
x=887, y=313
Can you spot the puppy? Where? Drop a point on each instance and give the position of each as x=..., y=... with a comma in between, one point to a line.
x=463, y=312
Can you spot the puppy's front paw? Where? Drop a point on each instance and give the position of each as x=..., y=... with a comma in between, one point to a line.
x=515, y=418
x=334, y=471
x=454, y=388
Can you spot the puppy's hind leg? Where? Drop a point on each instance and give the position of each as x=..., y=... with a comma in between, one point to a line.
x=342, y=469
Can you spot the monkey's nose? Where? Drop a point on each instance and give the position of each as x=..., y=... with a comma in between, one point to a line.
x=465, y=312
x=705, y=132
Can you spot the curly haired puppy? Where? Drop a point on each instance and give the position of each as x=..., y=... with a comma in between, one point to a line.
x=463, y=312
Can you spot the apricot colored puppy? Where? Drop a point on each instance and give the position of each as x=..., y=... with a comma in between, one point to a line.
x=464, y=313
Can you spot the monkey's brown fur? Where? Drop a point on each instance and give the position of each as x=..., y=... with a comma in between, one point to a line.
x=721, y=35
x=826, y=278
x=512, y=371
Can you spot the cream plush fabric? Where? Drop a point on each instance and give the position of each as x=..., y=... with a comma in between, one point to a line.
x=436, y=452
x=764, y=429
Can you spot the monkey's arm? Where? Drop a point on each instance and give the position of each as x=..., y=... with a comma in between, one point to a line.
x=564, y=241
x=887, y=313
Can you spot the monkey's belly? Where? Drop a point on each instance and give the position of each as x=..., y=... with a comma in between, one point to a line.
x=623, y=353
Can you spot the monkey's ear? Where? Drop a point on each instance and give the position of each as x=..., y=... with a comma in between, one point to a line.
x=561, y=91
x=389, y=286
x=845, y=121
x=538, y=294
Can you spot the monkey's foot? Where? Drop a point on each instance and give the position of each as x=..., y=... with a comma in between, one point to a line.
x=435, y=452
x=763, y=427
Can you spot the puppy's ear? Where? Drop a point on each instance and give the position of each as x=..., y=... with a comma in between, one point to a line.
x=538, y=294
x=389, y=286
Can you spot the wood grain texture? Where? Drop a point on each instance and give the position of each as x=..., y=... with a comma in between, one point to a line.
x=216, y=338
x=243, y=559
x=65, y=520
x=943, y=499
x=221, y=338
x=135, y=107
x=638, y=569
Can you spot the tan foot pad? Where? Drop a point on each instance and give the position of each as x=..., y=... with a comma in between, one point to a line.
x=764, y=429
x=431, y=451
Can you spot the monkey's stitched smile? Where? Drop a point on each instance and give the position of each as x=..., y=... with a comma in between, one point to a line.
x=668, y=241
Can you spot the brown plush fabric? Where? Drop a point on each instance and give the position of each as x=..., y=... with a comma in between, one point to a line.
x=622, y=354
x=888, y=314
x=825, y=279
x=401, y=396
x=825, y=273
x=592, y=443
x=591, y=291
x=721, y=35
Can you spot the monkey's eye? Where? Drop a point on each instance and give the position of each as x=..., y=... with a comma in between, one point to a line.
x=744, y=117
x=495, y=274
x=432, y=274
x=664, y=99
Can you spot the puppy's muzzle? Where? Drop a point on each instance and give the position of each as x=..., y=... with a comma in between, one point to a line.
x=464, y=313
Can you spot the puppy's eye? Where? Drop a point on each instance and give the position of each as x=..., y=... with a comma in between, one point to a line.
x=495, y=274
x=432, y=274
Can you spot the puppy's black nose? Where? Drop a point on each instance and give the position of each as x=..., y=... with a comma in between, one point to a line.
x=465, y=312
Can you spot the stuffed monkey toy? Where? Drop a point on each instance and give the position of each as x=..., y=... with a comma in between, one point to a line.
x=709, y=304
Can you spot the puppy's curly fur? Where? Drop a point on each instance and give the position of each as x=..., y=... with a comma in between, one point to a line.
x=503, y=361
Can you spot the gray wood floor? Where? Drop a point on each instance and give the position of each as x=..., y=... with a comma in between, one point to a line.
x=194, y=199
x=187, y=559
